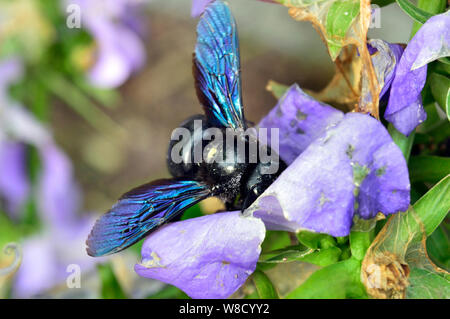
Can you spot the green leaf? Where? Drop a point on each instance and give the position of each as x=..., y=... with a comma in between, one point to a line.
x=340, y=17
x=434, y=120
x=428, y=168
x=434, y=205
x=409, y=228
x=382, y=3
x=288, y=254
x=111, y=288
x=275, y=240
x=252, y=295
x=169, y=292
x=342, y=240
x=192, y=212
x=346, y=253
x=264, y=286
x=316, y=240
x=446, y=62
x=425, y=284
x=335, y=20
x=8, y=231
x=323, y=257
x=415, y=13
x=359, y=243
x=429, y=6
x=438, y=248
x=38, y=100
x=337, y=281
x=440, y=88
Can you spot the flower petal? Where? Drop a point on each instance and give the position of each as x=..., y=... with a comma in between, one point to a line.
x=39, y=268
x=206, y=257
x=14, y=183
x=354, y=167
x=300, y=120
x=15, y=120
x=59, y=195
x=18, y=122
x=115, y=26
x=385, y=57
x=405, y=108
x=435, y=35
x=47, y=257
x=121, y=52
x=406, y=119
x=11, y=70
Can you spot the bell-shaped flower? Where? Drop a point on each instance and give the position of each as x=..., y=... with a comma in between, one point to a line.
x=117, y=30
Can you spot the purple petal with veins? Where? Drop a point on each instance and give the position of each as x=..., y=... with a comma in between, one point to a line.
x=353, y=168
x=300, y=120
x=206, y=257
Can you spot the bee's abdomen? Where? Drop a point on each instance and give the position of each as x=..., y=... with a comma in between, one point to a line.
x=184, y=141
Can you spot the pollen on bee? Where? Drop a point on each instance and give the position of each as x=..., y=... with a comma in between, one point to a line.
x=211, y=205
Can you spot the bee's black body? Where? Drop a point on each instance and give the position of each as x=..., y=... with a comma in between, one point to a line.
x=237, y=179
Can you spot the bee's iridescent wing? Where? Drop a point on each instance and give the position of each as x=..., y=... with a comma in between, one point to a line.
x=217, y=67
x=140, y=211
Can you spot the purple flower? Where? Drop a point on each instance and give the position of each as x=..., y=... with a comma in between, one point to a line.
x=340, y=165
x=301, y=119
x=115, y=26
x=405, y=110
x=58, y=194
x=47, y=255
x=209, y=256
x=14, y=183
x=385, y=57
x=15, y=121
x=17, y=128
x=352, y=167
x=11, y=70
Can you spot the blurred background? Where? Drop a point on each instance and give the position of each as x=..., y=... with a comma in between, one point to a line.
x=86, y=113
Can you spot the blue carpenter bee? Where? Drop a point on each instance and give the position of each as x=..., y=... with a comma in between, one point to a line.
x=238, y=178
